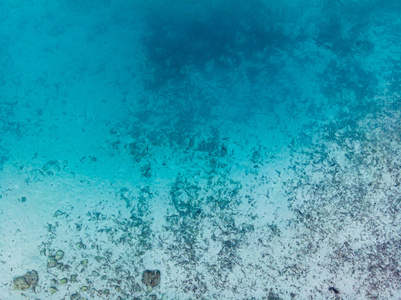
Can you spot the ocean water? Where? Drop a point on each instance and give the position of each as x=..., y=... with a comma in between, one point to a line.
x=200, y=149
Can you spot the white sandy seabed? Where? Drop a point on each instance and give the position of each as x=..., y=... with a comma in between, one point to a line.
x=297, y=201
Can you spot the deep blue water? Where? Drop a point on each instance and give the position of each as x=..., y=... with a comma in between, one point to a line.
x=258, y=138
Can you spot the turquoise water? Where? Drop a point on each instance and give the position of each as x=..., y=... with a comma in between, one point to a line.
x=239, y=150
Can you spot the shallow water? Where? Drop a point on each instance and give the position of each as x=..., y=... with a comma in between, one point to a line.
x=243, y=150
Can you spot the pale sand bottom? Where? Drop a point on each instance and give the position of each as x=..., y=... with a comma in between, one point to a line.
x=219, y=227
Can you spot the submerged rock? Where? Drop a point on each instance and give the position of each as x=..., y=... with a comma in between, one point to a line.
x=151, y=278
x=75, y=296
x=84, y=262
x=20, y=283
x=58, y=213
x=30, y=279
x=59, y=255
x=63, y=267
x=273, y=296
x=51, y=262
x=84, y=288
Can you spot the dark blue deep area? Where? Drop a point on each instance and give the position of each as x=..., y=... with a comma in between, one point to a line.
x=177, y=60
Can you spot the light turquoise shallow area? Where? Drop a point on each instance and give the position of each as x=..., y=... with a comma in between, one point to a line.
x=238, y=150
